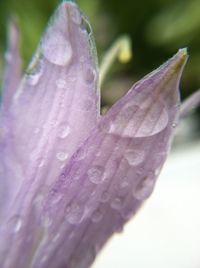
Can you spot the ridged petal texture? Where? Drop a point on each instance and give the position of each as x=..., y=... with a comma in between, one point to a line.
x=55, y=106
x=70, y=178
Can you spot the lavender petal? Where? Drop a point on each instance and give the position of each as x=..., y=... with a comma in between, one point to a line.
x=106, y=181
x=55, y=107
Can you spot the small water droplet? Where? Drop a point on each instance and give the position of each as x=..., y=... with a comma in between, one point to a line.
x=123, y=184
x=96, y=174
x=174, y=125
x=116, y=203
x=61, y=83
x=56, y=48
x=74, y=213
x=35, y=71
x=64, y=131
x=145, y=187
x=97, y=216
x=134, y=157
x=75, y=14
x=15, y=224
x=105, y=197
x=62, y=156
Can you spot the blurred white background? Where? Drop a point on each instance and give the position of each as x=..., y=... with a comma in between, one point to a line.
x=166, y=231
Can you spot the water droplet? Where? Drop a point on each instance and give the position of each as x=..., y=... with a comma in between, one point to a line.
x=61, y=83
x=174, y=125
x=105, y=197
x=140, y=121
x=56, y=48
x=75, y=14
x=134, y=157
x=123, y=184
x=89, y=74
x=15, y=224
x=74, y=214
x=62, y=156
x=96, y=174
x=35, y=71
x=97, y=216
x=64, y=131
x=116, y=203
x=144, y=188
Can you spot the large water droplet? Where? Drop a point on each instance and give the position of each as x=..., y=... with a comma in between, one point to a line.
x=75, y=14
x=75, y=213
x=15, y=224
x=64, y=131
x=144, y=188
x=134, y=157
x=143, y=121
x=62, y=156
x=56, y=48
x=96, y=174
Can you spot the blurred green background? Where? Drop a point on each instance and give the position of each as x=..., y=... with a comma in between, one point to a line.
x=158, y=28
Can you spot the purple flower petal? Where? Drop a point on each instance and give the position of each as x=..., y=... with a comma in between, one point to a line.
x=190, y=103
x=55, y=107
x=104, y=183
x=12, y=74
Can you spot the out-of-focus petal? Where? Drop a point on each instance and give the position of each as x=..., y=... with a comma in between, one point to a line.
x=106, y=180
x=190, y=103
x=12, y=74
x=55, y=107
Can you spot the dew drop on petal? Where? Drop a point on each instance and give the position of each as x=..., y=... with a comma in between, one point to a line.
x=64, y=131
x=62, y=156
x=61, y=83
x=116, y=203
x=74, y=213
x=97, y=216
x=56, y=48
x=15, y=224
x=134, y=157
x=144, y=188
x=123, y=184
x=96, y=174
x=35, y=71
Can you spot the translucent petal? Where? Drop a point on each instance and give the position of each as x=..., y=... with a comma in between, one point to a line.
x=106, y=180
x=56, y=105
